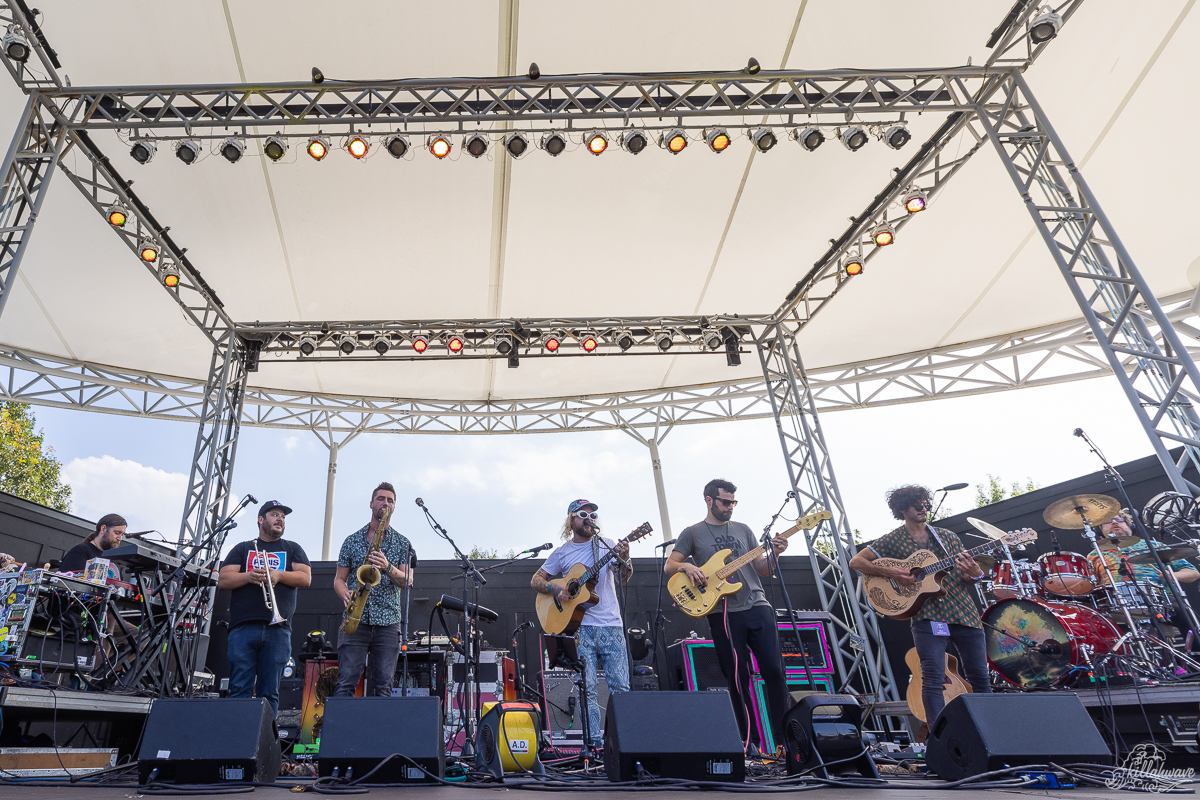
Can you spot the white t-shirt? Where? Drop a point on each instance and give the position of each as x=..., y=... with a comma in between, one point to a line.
x=606, y=613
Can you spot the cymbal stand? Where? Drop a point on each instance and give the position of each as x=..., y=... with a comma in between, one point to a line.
x=1134, y=633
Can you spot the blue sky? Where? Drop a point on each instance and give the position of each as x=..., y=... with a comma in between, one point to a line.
x=507, y=492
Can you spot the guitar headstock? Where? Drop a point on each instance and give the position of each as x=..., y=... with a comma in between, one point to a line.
x=810, y=521
x=1023, y=536
x=645, y=529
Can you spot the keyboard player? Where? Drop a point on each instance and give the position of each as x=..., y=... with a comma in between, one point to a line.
x=109, y=533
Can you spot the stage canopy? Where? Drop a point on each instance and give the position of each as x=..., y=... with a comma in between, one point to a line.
x=579, y=235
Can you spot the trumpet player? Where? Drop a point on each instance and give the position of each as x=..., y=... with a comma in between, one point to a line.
x=263, y=575
x=378, y=631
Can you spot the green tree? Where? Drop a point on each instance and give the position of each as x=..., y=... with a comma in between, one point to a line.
x=993, y=491
x=484, y=553
x=28, y=467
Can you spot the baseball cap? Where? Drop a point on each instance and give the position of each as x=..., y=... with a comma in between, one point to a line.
x=271, y=505
x=578, y=504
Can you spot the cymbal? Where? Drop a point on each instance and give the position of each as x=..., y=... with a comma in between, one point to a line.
x=986, y=528
x=1116, y=542
x=1066, y=513
x=985, y=563
x=1167, y=554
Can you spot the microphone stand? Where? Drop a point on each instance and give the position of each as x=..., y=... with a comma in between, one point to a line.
x=406, y=594
x=773, y=561
x=659, y=620
x=470, y=623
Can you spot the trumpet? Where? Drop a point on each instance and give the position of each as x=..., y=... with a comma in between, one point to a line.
x=367, y=576
x=268, y=587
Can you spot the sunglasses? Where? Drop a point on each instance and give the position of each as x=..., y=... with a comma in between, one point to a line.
x=927, y=506
x=724, y=502
x=587, y=515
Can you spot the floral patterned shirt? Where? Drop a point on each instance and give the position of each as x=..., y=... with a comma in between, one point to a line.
x=956, y=606
x=383, y=603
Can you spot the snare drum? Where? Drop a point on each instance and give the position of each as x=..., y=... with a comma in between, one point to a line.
x=1143, y=604
x=1066, y=573
x=1025, y=583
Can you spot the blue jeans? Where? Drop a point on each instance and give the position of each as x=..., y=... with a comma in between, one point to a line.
x=258, y=652
x=972, y=653
x=602, y=648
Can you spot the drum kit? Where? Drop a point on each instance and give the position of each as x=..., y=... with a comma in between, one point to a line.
x=1064, y=615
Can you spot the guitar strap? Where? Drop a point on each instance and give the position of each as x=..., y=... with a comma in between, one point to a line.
x=936, y=538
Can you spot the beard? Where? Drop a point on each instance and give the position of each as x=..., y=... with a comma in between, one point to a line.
x=721, y=512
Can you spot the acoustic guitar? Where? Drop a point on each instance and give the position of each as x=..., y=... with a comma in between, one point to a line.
x=697, y=601
x=952, y=687
x=904, y=600
x=566, y=616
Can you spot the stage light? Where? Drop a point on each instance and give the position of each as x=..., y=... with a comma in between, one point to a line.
x=347, y=343
x=1045, y=26
x=915, y=201
x=733, y=355
x=553, y=340
x=896, y=136
x=517, y=144
x=633, y=142
x=534, y=71
x=439, y=145
x=358, y=146
x=852, y=264
x=663, y=340
x=275, y=147
x=143, y=151
x=809, y=138
x=318, y=147
x=420, y=343
x=308, y=345
x=883, y=235
x=853, y=137
x=397, y=145
x=753, y=67
x=504, y=343
x=148, y=250
x=117, y=215
x=764, y=139
x=168, y=273
x=475, y=144
x=553, y=143
x=318, y=77
x=15, y=45
x=187, y=151
x=588, y=341
x=232, y=149
x=673, y=140
x=717, y=139
x=597, y=142
x=625, y=339
x=711, y=338
x=381, y=344
x=455, y=343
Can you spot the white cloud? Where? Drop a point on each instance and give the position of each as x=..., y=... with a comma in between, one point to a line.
x=148, y=498
x=290, y=443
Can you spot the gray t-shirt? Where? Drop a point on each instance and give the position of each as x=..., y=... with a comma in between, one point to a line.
x=701, y=542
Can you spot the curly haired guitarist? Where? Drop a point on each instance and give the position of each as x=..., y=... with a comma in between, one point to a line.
x=953, y=617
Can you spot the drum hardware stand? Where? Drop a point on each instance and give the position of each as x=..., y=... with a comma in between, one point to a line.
x=1134, y=632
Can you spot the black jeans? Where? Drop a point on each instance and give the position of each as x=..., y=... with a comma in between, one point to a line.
x=751, y=631
x=972, y=651
x=383, y=643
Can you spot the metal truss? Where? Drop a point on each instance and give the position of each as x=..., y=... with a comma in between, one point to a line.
x=42, y=73
x=860, y=652
x=1164, y=384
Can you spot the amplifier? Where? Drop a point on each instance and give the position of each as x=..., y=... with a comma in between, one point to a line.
x=560, y=699
x=426, y=674
x=49, y=620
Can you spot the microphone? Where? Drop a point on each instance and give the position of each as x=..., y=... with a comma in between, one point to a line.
x=137, y=535
x=1049, y=648
x=571, y=707
x=535, y=551
x=252, y=499
x=666, y=544
x=521, y=627
x=1079, y=432
x=420, y=502
x=954, y=487
x=1057, y=549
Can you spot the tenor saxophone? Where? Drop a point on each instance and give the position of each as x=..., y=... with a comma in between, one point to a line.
x=366, y=578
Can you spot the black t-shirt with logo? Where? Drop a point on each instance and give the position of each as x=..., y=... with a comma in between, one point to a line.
x=247, y=604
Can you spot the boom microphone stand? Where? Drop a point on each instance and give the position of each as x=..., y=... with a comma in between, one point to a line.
x=470, y=623
x=773, y=561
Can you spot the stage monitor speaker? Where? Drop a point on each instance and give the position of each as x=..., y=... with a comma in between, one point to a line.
x=694, y=736
x=564, y=711
x=210, y=741
x=979, y=733
x=360, y=732
x=824, y=729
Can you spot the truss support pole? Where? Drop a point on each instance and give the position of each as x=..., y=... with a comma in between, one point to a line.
x=330, y=480
x=30, y=162
x=1162, y=383
x=660, y=489
x=859, y=650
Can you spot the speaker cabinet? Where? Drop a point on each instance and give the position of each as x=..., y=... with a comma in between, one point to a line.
x=978, y=733
x=360, y=732
x=691, y=735
x=823, y=729
x=564, y=709
x=210, y=741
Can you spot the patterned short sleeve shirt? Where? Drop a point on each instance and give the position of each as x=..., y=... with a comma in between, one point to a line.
x=956, y=606
x=383, y=603
x=1147, y=573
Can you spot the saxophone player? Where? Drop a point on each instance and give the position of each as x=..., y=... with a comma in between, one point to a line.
x=260, y=638
x=378, y=633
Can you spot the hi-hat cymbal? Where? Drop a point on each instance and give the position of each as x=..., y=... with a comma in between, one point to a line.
x=1167, y=554
x=1069, y=513
x=1116, y=542
x=986, y=528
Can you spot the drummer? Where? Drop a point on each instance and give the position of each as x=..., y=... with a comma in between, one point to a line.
x=1121, y=526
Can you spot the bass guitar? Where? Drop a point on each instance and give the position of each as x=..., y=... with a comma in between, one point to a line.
x=904, y=600
x=565, y=616
x=952, y=685
x=697, y=601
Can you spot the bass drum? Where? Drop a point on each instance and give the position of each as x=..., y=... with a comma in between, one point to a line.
x=1035, y=644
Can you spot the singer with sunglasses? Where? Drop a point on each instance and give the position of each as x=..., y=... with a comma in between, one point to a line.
x=601, y=637
x=953, y=617
x=743, y=623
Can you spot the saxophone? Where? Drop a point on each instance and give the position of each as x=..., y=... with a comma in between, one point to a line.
x=366, y=578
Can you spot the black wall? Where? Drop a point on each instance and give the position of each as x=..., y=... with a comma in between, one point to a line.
x=35, y=534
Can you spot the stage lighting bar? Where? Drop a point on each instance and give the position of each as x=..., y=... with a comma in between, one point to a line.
x=397, y=144
x=517, y=144
x=358, y=146
x=232, y=149
x=764, y=139
x=275, y=147
x=717, y=140
x=596, y=142
x=187, y=150
x=809, y=138
x=476, y=145
x=318, y=147
x=15, y=45
x=439, y=145
x=143, y=151
x=634, y=141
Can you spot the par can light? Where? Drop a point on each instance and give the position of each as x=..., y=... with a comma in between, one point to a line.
x=307, y=345
x=318, y=147
x=915, y=201
x=232, y=149
x=439, y=145
x=896, y=136
x=625, y=339
x=275, y=147
x=347, y=343
x=852, y=265
x=853, y=137
x=664, y=339
x=588, y=341
x=717, y=139
x=358, y=146
x=15, y=45
x=764, y=139
x=633, y=142
x=553, y=340
x=187, y=151
x=117, y=215
x=809, y=138
x=554, y=143
x=883, y=235
x=476, y=145
x=597, y=142
x=143, y=151
x=455, y=344
x=517, y=144
x=397, y=144
x=420, y=343
x=673, y=141
x=1045, y=26
x=148, y=250
x=168, y=273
